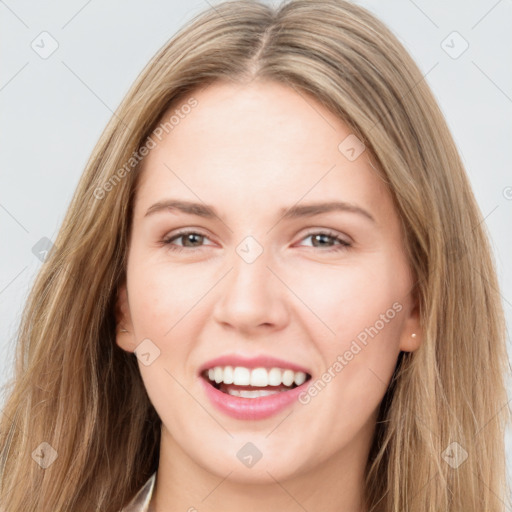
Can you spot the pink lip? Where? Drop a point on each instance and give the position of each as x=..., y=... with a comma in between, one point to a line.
x=253, y=362
x=252, y=408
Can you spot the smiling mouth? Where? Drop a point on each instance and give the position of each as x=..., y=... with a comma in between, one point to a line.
x=253, y=383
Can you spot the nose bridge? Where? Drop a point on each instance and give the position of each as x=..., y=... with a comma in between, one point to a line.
x=251, y=295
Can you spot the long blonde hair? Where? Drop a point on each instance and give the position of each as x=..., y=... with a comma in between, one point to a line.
x=75, y=390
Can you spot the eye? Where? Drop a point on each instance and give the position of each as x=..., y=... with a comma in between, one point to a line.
x=328, y=240
x=190, y=239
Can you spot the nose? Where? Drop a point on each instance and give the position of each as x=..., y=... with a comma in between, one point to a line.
x=251, y=297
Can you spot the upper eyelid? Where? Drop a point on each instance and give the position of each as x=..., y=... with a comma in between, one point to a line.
x=184, y=233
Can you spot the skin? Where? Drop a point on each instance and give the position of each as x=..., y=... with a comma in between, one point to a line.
x=250, y=150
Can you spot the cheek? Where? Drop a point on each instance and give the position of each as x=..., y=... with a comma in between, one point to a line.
x=161, y=295
x=162, y=310
x=168, y=306
x=365, y=310
x=363, y=305
x=351, y=298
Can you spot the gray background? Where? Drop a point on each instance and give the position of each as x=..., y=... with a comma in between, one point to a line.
x=55, y=108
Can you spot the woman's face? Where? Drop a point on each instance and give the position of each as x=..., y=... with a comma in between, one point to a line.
x=265, y=274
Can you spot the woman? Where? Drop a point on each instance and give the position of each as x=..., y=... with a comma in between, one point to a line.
x=272, y=290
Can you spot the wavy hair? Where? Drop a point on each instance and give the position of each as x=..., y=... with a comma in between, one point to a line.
x=77, y=391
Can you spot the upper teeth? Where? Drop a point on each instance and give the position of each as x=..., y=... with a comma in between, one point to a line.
x=260, y=377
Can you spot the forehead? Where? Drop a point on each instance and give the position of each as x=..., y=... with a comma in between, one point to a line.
x=266, y=118
x=242, y=144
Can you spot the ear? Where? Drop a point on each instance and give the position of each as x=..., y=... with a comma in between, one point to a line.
x=412, y=334
x=124, y=328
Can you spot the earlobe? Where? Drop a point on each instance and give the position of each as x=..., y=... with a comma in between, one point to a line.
x=411, y=343
x=412, y=335
x=124, y=328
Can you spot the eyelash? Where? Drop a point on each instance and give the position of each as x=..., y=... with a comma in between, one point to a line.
x=343, y=244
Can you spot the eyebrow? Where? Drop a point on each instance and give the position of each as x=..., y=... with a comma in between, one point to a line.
x=294, y=212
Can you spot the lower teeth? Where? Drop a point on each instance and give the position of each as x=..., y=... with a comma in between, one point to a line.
x=248, y=393
x=231, y=389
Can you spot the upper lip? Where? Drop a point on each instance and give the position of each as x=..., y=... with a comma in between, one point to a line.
x=261, y=361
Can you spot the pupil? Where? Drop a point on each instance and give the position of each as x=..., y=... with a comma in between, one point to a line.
x=191, y=236
x=318, y=237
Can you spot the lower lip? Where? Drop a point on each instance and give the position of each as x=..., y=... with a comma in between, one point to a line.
x=251, y=408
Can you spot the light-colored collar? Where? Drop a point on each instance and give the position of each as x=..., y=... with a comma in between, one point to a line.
x=140, y=502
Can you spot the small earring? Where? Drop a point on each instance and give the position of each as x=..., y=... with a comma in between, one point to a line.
x=413, y=335
x=123, y=330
